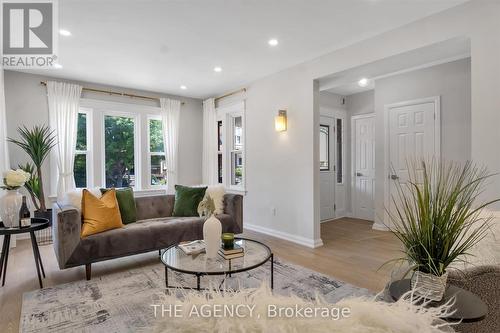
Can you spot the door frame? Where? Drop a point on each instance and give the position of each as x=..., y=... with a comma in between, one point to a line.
x=332, y=153
x=353, y=156
x=387, y=152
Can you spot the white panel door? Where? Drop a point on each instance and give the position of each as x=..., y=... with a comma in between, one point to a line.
x=327, y=168
x=364, y=167
x=412, y=136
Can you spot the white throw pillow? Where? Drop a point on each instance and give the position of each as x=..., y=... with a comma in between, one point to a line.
x=74, y=198
x=217, y=193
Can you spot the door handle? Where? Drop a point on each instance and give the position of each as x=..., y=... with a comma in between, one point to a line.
x=359, y=174
x=394, y=177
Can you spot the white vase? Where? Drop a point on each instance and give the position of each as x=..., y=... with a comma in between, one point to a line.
x=212, y=231
x=429, y=286
x=10, y=204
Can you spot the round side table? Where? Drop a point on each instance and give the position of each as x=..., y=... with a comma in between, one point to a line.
x=36, y=224
x=468, y=307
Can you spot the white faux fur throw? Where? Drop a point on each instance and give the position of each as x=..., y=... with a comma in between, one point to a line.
x=366, y=314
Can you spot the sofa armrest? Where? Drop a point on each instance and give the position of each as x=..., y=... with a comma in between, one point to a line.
x=67, y=225
x=233, y=206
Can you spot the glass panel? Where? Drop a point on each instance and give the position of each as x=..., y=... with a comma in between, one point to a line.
x=219, y=134
x=81, y=132
x=80, y=170
x=237, y=133
x=236, y=168
x=339, y=151
x=158, y=170
x=324, y=149
x=155, y=136
x=219, y=161
x=119, y=151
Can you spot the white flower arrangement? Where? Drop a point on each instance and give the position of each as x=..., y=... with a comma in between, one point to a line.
x=14, y=179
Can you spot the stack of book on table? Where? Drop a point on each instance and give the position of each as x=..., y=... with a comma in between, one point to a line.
x=236, y=252
x=192, y=248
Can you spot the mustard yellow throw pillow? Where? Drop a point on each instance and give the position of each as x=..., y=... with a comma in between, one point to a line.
x=100, y=214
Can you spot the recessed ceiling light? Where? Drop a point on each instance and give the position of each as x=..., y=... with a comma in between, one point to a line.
x=183, y=87
x=273, y=42
x=217, y=69
x=58, y=66
x=64, y=32
x=363, y=82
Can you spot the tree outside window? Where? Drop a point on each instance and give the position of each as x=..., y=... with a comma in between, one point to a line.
x=119, y=151
x=158, y=169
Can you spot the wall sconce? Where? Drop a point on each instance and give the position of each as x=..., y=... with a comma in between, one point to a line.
x=280, y=121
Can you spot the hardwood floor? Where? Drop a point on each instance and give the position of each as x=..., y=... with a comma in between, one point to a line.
x=352, y=252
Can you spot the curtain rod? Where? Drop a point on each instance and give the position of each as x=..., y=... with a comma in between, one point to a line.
x=116, y=93
x=231, y=93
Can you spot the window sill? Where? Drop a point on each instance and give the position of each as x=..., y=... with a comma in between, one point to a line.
x=137, y=193
x=236, y=191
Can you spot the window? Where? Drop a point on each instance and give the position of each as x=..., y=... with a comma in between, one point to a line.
x=237, y=151
x=231, y=146
x=127, y=151
x=157, y=165
x=219, y=152
x=82, y=163
x=119, y=151
x=340, y=151
x=324, y=147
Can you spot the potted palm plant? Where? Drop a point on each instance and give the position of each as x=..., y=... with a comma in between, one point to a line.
x=37, y=142
x=437, y=218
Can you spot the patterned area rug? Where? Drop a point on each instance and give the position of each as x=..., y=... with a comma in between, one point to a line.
x=121, y=302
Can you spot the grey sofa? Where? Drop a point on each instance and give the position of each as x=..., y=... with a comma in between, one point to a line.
x=154, y=230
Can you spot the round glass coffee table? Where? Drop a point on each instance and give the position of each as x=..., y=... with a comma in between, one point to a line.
x=256, y=254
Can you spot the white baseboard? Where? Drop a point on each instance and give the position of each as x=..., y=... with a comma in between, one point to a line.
x=312, y=243
x=380, y=227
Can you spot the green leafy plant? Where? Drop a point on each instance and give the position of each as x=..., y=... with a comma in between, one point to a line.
x=33, y=184
x=206, y=207
x=436, y=216
x=37, y=142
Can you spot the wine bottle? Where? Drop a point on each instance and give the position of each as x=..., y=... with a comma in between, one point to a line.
x=24, y=215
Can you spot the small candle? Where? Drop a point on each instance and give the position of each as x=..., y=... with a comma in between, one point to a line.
x=228, y=240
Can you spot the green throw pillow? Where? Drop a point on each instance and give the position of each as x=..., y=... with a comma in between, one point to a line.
x=126, y=203
x=187, y=200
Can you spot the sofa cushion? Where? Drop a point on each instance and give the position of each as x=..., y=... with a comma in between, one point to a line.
x=154, y=206
x=143, y=236
x=187, y=200
x=100, y=214
x=126, y=203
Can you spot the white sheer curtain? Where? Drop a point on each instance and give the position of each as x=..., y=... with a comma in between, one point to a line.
x=170, y=115
x=209, y=162
x=4, y=153
x=64, y=103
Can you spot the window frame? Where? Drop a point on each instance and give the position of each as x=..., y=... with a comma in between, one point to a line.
x=150, y=117
x=328, y=133
x=342, y=155
x=88, y=152
x=226, y=114
x=137, y=141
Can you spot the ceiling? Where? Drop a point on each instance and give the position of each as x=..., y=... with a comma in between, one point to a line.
x=161, y=45
x=345, y=83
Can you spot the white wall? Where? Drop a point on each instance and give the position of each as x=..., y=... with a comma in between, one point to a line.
x=450, y=81
x=26, y=104
x=280, y=166
x=284, y=167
